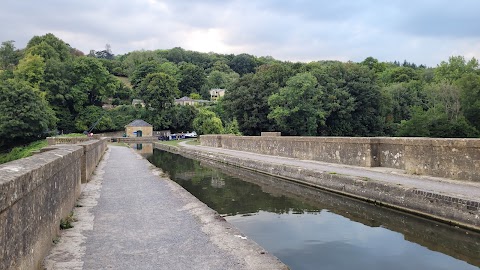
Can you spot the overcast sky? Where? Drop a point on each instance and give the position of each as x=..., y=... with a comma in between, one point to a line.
x=420, y=31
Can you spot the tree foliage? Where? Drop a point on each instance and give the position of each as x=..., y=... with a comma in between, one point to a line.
x=25, y=115
x=298, y=108
x=207, y=122
x=58, y=87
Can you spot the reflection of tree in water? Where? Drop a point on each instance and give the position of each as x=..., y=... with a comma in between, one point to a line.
x=223, y=193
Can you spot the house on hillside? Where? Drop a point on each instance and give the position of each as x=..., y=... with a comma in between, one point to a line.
x=189, y=101
x=215, y=94
x=139, y=128
x=138, y=102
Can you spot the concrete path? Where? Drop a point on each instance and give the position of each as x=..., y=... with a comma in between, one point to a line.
x=462, y=189
x=136, y=219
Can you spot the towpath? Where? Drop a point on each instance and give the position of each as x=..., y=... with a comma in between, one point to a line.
x=130, y=217
x=461, y=189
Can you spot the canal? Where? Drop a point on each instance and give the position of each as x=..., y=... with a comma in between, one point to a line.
x=307, y=228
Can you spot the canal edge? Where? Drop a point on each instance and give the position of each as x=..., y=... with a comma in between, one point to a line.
x=405, y=199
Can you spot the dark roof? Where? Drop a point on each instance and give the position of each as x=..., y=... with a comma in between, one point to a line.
x=184, y=99
x=138, y=123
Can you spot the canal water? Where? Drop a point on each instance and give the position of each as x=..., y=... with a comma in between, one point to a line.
x=311, y=229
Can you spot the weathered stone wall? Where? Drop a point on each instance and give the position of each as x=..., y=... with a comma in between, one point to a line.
x=350, y=151
x=93, y=152
x=35, y=194
x=450, y=158
x=270, y=134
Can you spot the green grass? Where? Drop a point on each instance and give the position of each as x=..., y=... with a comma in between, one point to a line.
x=125, y=80
x=22, y=151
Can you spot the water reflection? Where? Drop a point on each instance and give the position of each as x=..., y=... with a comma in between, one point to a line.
x=307, y=228
x=144, y=149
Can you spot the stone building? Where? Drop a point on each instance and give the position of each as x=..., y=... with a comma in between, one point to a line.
x=215, y=94
x=139, y=128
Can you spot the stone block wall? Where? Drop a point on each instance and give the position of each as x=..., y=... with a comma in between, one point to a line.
x=350, y=151
x=450, y=158
x=35, y=194
x=270, y=134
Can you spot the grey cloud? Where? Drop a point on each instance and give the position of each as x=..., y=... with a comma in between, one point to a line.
x=421, y=31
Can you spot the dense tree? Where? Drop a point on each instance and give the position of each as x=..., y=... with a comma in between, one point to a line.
x=142, y=71
x=133, y=59
x=25, y=115
x=192, y=78
x=455, y=68
x=469, y=86
x=8, y=55
x=124, y=114
x=60, y=47
x=91, y=82
x=247, y=99
x=158, y=91
x=298, y=108
x=31, y=70
x=370, y=98
x=207, y=122
x=353, y=95
x=182, y=118
x=243, y=64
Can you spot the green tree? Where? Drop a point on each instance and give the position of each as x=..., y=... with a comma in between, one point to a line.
x=89, y=116
x=31, y=69
x=232, y=128
x=158, y=91
x=243, y=64
x=182, y=118
x=434, y=122
x=132, y=60
x=25, y=115
x=220, y=80
x=192, y=78
x=142, y=71
x=455, y=68
x=57, y=87
x=469, y=86
x=298, y=108
x=207, y=122
x=247, y=99
x=60, y=47
x=91, y=82
x=44, y=50
x=8, y=55
x=356, y=95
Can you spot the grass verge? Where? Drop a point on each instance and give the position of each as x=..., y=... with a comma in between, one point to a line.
x=22, y=151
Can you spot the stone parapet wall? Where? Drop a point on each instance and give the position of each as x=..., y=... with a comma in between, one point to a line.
x=270, y=134
x=93, y=152
x=451, y=158
x=35, y=194
x=67, y=140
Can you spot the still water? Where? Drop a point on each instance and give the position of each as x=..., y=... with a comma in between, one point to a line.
x=311, y=229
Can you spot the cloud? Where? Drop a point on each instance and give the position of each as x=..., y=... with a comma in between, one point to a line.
x=425, y=32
